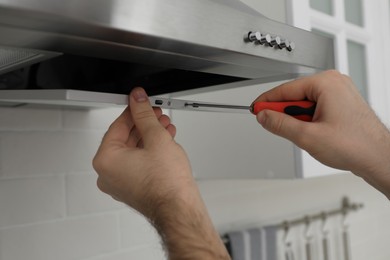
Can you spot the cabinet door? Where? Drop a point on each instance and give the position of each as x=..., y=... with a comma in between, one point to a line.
x=229, y=145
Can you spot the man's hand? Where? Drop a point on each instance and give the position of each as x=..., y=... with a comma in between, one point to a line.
x=345, y=133
x=140, y=164
x=138, y=161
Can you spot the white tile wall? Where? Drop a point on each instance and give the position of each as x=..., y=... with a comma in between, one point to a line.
x=150, y=252
x=82, y=196
x=26, y=153
x=30, y=200
x=91, y=119
x=65, y=239
x=50, y=207
x=19, y=119
x=136, y=230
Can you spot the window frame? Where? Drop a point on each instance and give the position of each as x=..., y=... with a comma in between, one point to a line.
x=374, y=35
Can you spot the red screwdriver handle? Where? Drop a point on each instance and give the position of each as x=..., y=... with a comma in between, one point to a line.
x=302, y=110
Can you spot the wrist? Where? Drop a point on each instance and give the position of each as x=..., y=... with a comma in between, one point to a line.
x=377, y=170
x=185, y=227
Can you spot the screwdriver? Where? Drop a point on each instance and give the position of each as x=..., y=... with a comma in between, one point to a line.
x=302, y=110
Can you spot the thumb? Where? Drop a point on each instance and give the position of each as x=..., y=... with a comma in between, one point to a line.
x=144, y=117
x=282, y=125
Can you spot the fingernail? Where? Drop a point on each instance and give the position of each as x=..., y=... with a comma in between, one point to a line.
x=140, y=95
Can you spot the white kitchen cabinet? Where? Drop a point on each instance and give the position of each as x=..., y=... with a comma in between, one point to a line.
x=232, y=145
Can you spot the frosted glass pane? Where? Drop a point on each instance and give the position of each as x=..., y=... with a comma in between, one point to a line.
x=357, y=66
x=354, y=12
x=324, y=6
x=328, y=35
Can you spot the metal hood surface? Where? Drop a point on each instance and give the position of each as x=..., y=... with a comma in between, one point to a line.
x=165, y=46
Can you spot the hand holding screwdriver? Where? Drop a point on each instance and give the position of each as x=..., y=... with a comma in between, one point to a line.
x=345, y=133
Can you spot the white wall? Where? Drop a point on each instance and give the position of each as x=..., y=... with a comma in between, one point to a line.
x=50, y=207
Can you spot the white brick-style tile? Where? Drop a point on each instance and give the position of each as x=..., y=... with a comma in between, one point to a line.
x=84, y=197
x=94, y=119
x=141, y=253
x=63, y=240
x=47, y=153
x=24, y=201
x=33, y=153
x=23, y=119
x=80, y=148
x=371, y=249
x=136, y=230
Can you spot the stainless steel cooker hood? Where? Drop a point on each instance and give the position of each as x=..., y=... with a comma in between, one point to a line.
x=164, y=45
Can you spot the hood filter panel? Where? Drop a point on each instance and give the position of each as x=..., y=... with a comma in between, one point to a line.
x=14, y=58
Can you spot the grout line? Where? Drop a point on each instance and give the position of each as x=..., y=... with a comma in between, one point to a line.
x=31, y=177
x=123, y=251
x=61, y=219
x=34, y=176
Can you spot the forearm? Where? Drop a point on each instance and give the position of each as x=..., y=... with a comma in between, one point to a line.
x=186, y=229
x=352, y=139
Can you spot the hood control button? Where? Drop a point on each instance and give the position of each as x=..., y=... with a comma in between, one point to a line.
x=291, y=46
x=254, y=36
x=284, y=44
x=268, y=40
x=276, y=41
x=265, y=39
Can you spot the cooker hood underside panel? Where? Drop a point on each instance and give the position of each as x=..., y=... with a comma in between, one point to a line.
x=165, y=46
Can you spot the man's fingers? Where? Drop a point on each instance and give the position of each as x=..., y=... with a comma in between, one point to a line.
x=140, y=123
x=144, y=117
x=283, y=125
x=157, y=111
x=119, y=129
x=171, y=129
x=135, y=137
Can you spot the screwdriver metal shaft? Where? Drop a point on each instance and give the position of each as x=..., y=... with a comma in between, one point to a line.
x=197, y=104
